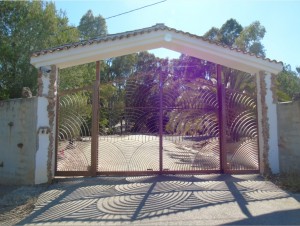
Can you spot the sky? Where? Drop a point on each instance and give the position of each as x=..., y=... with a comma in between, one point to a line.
x=281, y=18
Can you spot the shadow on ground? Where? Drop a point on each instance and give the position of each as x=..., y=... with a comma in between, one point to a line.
x=287, y=217
x=167, y=199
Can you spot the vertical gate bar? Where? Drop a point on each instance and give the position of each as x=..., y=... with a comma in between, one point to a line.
x=57, y=133
x=95, y=122
x=224, y=128
x=160, y=123
x=257, y=89
x=222, y=119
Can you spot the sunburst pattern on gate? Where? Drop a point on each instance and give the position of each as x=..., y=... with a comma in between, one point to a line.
x=242, y=143
x=74, y=136
x=191, y=132
x=129, y=141
x=139, y=116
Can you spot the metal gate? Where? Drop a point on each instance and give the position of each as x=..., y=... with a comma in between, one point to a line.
x=241, y=145
x=154, y=124
x=73, y=142
x=163, y=126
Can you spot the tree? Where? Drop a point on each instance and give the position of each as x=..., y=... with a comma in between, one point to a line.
x=298, y=70
x=213, y=34
x=91, y=26
x=247, y=39
x=227, y=34
x=230, y=31
x=122, y=67
x=142, y=93
x=231, y=34
x=27, y=27
x=78, y=76
x=197, y=76
x=288, y=84
x=191, y=68
x=250, y=39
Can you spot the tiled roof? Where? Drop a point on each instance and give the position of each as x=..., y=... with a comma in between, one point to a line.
x=128, y=34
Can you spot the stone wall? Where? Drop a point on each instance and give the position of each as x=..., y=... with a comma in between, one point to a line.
x=289, y=136
x=18, y=143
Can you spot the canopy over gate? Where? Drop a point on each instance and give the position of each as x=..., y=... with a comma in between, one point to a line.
x=158, y=36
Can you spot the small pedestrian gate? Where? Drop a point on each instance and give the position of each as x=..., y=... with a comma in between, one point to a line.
x=155, y=124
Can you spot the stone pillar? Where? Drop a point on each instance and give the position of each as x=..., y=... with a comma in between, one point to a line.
x=267, y=123
x=46, y=124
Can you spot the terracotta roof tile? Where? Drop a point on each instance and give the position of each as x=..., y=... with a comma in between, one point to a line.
x=128, y=34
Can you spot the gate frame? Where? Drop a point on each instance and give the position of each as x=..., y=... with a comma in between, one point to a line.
x=49, y=61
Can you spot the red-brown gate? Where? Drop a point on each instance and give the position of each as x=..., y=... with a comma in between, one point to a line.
x=73, y=143
x=154, y=124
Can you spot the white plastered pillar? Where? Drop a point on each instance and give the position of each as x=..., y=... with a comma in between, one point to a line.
x=267, y=124
x=46, y=124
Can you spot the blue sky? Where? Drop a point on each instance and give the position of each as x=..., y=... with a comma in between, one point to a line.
x=280, y=18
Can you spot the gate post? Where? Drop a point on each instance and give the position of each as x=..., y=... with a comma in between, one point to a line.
x=222, y=119
x=267, y=123
x=46, y=124
x=95, y=122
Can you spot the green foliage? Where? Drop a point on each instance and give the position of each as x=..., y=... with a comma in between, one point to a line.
x=250, y=39
x=213, y=34
x=146, y=62
x=75, y=114
x=112, y=106
x=232, y=34
x=77, y=76
x=188, y=70
x=193, y=103
x=227, y=34
x=230, y=31
x=27, y=27
x=83, y=75
x=91, y=26
x=121, y=68
x=288, y=84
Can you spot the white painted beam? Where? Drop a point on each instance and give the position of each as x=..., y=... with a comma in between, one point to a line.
x=180, y=42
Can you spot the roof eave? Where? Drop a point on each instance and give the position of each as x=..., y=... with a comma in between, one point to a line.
x=167, y=38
